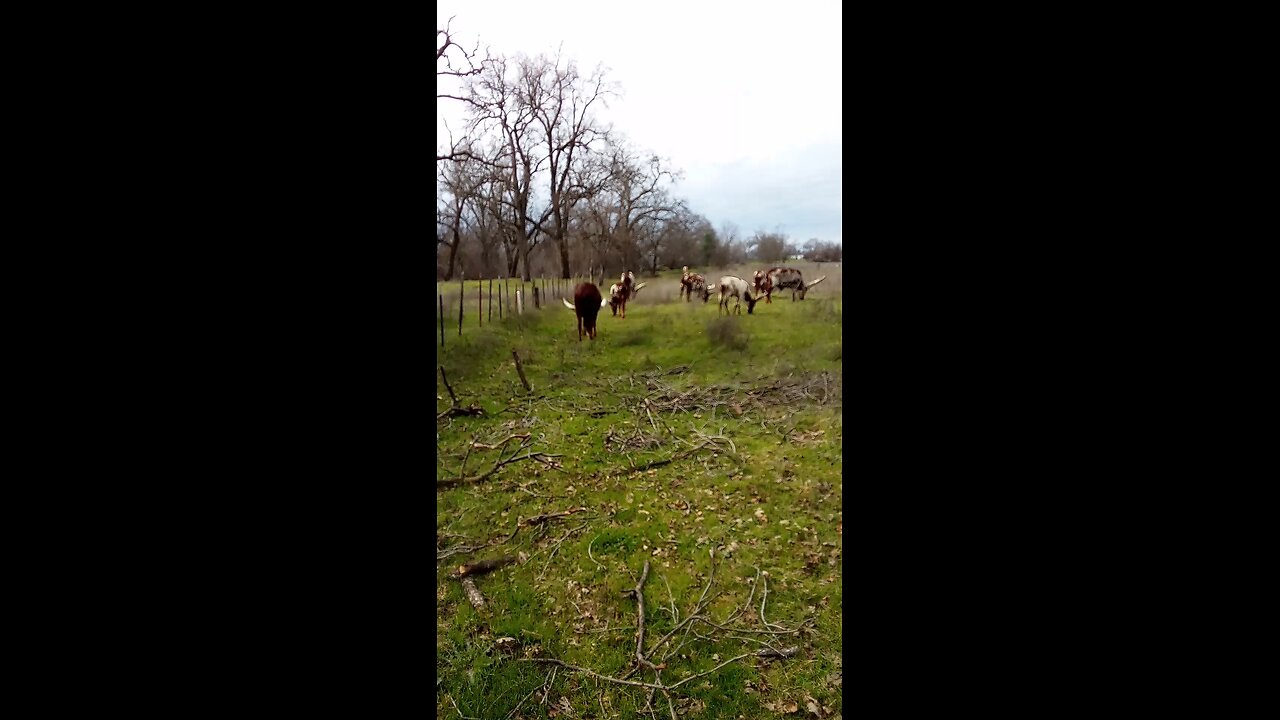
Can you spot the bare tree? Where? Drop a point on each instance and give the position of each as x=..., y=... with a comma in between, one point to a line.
x=818, y=251
x=458, y=184
x=730, y=250
x=659, y=236
x=533, y=163
x=499, y=107
x=770, y=247
x=486, y=222
x=640, y=201
x=453, y=61
x=562, y=101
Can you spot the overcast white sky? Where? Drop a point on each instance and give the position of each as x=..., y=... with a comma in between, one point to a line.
x=744, y=97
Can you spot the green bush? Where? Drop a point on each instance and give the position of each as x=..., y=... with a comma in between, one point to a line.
x=726, y=332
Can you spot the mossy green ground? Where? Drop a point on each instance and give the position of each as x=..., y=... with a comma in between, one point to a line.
x=764, y=390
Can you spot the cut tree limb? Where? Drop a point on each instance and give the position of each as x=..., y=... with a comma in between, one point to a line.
x=520, y=370
x=473, y=593
x=448, y=387
x=456, y=409
x=482, y=567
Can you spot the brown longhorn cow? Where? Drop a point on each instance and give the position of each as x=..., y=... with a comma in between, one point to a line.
x=586, y=304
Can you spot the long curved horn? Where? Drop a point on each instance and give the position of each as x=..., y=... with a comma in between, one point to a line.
x=636, y=289
x=604, y=302
x=568, y=304
x=815, y=282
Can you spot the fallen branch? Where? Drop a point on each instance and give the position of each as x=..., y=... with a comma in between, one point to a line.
x=473, y=593
x=517, y=707
x=784, y=653
x=694, y=677
x=461, y=549
x=456, y=409
x=520, y=369
x=459, y=411
x=593, y=558
x=484, y=567
x=525, y=442
x=455, y=707
x=638, y=593
x=643, y=659
x=589, y=671
x=551, y=516
x=710, y=442
x=556, y=548
x=448, y=387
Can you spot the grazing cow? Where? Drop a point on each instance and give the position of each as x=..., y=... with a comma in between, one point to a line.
x=586, y=304
x=691, y=283
x=782, y=278
x=622, y=291
x=762, y=285
x=738, y=289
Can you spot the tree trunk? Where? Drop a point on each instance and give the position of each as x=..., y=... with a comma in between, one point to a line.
x=453, y=253
x=486, y=259
x=563, y=245
x=523, y=254
x=513, y=258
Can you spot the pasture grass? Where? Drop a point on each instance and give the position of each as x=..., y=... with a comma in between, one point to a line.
x=769, y=502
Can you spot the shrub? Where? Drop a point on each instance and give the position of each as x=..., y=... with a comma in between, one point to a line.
x=726, y=332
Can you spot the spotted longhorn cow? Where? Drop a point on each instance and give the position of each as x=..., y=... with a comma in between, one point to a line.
x=781, y=278
x=691, y=283
x=731, y=286
x=622, y=291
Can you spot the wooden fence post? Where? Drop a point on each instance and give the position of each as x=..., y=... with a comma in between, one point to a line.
x=480, y=303
x=441, y=321
x=462, y=300
x=490, y=301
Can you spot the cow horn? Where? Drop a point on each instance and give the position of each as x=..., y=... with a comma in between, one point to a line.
x=636, y=289
x=568, y=304
x=604, y=302
x=815, y=282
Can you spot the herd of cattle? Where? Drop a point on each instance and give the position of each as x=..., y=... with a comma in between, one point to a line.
x=587, y=300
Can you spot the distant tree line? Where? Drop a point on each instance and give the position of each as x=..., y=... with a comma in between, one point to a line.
x=535, y=184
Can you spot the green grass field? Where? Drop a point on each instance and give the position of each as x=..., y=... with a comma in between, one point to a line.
x=708, y=447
